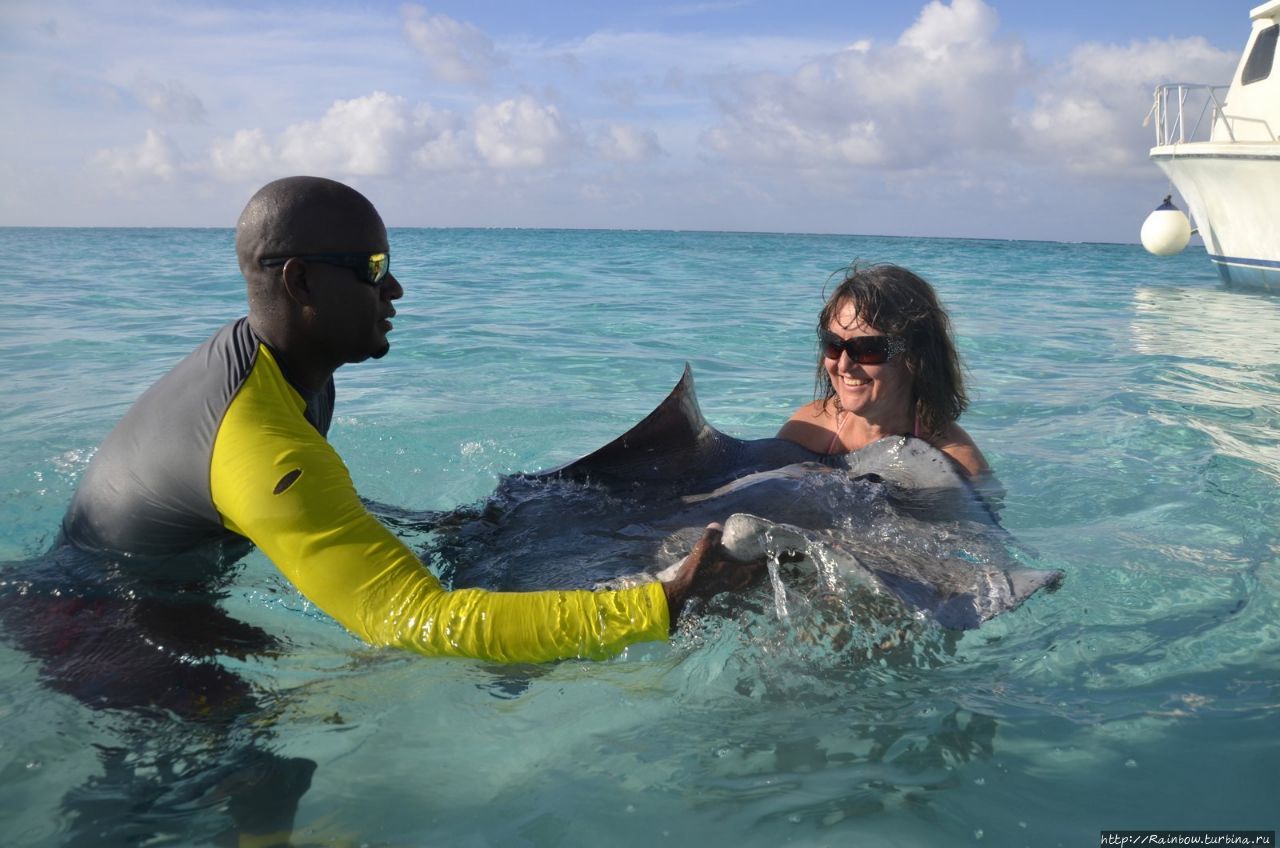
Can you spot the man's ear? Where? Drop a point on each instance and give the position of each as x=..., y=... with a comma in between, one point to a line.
x=296, y=284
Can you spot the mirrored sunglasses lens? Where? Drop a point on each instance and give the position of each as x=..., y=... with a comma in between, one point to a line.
x=379, y=264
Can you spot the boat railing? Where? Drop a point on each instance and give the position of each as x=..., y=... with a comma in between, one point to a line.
x=1177, y=104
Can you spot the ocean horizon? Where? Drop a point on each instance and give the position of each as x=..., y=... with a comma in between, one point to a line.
x=391, y=229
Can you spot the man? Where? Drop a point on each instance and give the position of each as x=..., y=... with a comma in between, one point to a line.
x=230, y=446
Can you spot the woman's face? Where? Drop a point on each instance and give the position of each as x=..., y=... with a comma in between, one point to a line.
x=879, y=393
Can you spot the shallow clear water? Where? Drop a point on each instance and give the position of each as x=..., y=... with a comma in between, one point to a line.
x=1130, y=406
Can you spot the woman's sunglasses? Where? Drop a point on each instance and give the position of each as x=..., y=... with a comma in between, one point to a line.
x=369, y=267
x=863, y=350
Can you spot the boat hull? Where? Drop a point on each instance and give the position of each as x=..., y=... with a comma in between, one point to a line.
x=1234, y=198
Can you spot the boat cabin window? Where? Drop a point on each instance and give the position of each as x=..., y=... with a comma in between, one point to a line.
x=1264, y=51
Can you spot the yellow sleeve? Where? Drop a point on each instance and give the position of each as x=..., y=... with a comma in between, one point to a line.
x=276, y=481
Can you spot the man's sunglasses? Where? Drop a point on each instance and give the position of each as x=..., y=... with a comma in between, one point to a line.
x=369, y=267
x=864, y=350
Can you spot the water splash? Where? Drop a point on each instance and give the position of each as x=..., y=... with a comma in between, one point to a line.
x=779, y=588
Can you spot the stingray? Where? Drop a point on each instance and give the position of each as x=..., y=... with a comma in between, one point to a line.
x=896, y=520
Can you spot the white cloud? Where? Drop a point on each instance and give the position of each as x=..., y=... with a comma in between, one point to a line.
x=375, y=135
x=521, y=133
x=455, y=51
x=945, y=89
x=444, y=142
x=247, y=155
x=626, y=143
x=383, y=135
x=1088, y=112
x=170, y=101
x=449, y=150
x=948, y=94
x=156, y=158
x=941, y=28
x=365, y=136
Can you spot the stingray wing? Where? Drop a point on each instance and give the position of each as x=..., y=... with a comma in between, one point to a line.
x=675, y=444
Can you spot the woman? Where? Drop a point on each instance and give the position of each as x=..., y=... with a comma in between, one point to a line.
x=887, y=365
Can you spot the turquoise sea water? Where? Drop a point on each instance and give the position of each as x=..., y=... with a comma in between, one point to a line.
x=1130, y=405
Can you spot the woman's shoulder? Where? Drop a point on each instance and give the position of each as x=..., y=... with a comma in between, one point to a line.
x=809, y=426
x=815, y=410
x=961, y=447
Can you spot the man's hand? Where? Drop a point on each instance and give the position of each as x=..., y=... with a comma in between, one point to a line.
x=706, y=572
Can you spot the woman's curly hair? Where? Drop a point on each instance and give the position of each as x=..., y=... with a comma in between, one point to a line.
x=896, y=302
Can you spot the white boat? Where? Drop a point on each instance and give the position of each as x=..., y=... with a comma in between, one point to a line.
x=1220, y=146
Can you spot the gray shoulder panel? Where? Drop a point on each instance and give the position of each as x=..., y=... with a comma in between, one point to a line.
x=146, y=491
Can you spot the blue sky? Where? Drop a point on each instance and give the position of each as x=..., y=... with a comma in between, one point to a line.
x=970, y=118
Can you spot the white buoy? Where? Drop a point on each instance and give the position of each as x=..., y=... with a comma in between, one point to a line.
x=1166, y=230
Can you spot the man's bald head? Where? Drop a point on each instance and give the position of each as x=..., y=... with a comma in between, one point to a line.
x=298, y=215
x=295, y=216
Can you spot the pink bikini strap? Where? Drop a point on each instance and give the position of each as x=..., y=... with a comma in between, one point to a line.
x=835, y=436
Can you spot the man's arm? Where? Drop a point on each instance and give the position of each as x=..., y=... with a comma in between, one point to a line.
x=276, y=481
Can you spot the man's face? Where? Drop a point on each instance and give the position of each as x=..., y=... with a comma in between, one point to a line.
x=350, y=317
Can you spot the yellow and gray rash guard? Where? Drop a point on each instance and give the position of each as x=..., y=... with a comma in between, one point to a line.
x=226, y=444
